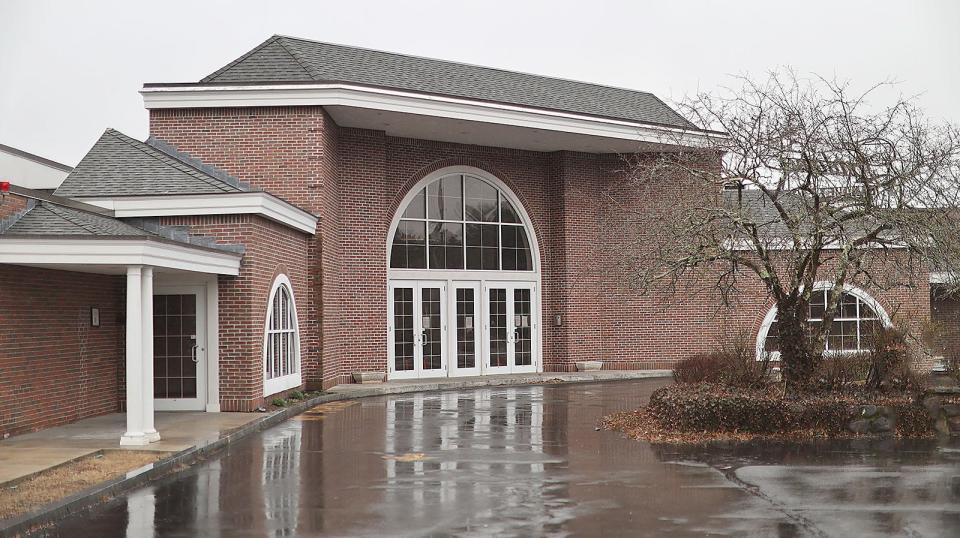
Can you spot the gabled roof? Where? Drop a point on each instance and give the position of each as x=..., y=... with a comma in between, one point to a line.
x=49, y=219
x=118, y=165
x=294, y=60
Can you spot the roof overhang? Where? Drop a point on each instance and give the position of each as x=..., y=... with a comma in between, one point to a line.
x=256, y=203
x=107, y=255
x=437, y=117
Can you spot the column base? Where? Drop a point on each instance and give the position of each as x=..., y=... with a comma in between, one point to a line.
x=152, y=436
x=134, y=439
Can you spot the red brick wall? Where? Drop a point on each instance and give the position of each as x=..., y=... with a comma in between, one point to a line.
x=290, y=152
x=54, y=367
x=355, y=180
x=945, y=311
x=271, y=249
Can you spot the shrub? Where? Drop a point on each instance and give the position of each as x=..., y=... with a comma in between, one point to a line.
x=842, y=373
x=296, y=395
x=707, y=407
x=279, y=402
x=890, y=362
x=699, y=368
x=732, y=363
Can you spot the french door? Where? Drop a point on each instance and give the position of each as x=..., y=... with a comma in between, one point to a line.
x=418, y=327
x=179, y=349
x=510, y=327
x=451, y=328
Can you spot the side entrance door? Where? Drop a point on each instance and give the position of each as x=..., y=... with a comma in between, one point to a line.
x=510, y=327
x=417, y=331
x=179, y=349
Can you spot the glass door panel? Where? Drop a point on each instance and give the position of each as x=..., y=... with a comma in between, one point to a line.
x=522, y=327
x=431, y=328
x=499, y=330
x=403, y=330
x=466, y=326
x=179, y=348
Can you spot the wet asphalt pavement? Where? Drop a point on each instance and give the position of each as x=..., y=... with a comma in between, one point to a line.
x=527, y=461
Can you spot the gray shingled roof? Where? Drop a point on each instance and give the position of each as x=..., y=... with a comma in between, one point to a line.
x=48, y=219
x=118, y=165
x=289, y=59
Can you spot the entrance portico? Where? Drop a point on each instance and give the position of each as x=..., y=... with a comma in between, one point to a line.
x=142, y=261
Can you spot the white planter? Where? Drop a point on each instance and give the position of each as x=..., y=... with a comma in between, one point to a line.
x=589, y=366
x=368, y=377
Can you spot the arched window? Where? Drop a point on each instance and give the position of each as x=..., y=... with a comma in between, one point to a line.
x=281, y=345
x=461, y=221
x=852, y=329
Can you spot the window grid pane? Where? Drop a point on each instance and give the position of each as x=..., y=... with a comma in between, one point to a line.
x=461, y=222
x=281, y=353
x=851, y=330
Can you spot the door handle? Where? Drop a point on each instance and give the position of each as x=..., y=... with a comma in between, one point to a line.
x=423, y=337
x=193, y=353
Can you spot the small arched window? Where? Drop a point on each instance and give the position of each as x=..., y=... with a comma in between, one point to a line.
x=460, y=221
x=282, y=340
x=852, y=329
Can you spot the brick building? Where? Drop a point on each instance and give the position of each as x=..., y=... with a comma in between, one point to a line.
x=310, y=211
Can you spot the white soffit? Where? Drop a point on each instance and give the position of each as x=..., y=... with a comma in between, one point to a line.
x=257, y=203
x=433, y=117
x=94, y=253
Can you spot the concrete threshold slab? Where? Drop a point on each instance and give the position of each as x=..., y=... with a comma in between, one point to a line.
x=205, y=446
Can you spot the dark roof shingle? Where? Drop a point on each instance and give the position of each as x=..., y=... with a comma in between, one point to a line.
x=289, y=59
x=118, y=165
x=48, y=219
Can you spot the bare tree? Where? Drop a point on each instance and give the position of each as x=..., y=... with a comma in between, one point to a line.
x=807, y=182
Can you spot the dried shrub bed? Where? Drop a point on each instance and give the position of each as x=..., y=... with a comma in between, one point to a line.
x=699, y=412
x=55, y=484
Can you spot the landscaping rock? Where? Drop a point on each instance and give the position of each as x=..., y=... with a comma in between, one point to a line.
x=881, y=425
x=859, y=426
x=868, y=411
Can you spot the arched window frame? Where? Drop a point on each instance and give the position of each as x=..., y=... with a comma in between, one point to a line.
x=505, y=190
x=860, y=294
x=293, y=378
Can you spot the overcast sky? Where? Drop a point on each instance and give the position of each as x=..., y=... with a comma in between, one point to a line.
x=70, y=69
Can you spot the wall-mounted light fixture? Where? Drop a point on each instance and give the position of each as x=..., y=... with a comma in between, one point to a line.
x=94, y=316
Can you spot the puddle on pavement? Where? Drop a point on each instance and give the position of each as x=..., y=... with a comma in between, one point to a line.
x=523, y=461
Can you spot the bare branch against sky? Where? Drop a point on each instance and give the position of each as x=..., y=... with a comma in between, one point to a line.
x=70, y=69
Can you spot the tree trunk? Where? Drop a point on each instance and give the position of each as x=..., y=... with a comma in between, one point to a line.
x=797, y=359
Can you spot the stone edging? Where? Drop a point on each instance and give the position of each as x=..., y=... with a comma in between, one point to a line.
x=34, y=521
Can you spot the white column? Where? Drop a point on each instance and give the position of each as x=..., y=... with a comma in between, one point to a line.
x=134, y=344
x=147, y=374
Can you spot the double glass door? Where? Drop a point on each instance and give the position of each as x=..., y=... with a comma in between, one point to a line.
x=461, y=328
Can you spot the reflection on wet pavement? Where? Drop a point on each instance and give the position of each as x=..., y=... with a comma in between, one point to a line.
x=527, y=461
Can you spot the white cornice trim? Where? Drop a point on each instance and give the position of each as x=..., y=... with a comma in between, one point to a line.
x=257, y=203
x=101, y=252
x=349, y=95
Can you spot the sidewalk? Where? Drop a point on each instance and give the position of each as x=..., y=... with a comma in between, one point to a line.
x=29, y=453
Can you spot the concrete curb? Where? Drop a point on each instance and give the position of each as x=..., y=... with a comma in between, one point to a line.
x=32, y=522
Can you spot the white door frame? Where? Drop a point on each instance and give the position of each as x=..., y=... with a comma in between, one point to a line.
x=418, y=371
x=477, y=320
x=204, y=370
x=511, y=366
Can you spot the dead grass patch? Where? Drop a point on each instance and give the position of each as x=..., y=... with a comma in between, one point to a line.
x=55, y=484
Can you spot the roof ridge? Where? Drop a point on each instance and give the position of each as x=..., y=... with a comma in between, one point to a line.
x=243, y=57
x=186, y=159
x=295, y=56
x=69, y=218
x=500, y=69
x=192, y=171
